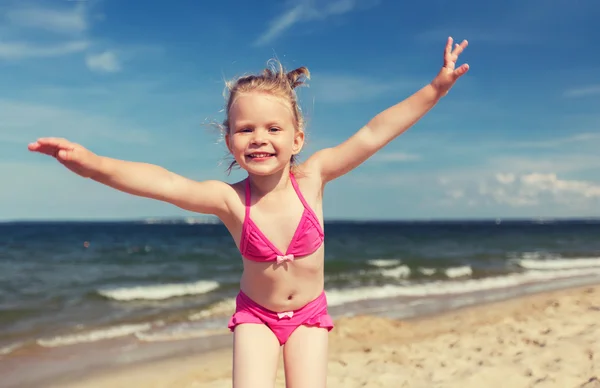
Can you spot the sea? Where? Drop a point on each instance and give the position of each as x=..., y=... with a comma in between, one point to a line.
x=64, y=284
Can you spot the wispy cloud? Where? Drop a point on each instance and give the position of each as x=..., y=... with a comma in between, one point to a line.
x=342, y=88
x=55, y=29
x=22, y=50
x=305, y=11
x=280, y=24
x=585, y=91
x=36, y=31
x=106, y=62
x=63, y=20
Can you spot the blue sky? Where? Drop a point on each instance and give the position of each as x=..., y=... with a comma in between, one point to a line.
x=516, y=137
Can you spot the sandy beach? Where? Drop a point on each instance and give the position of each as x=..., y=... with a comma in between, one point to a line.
x=544, y=340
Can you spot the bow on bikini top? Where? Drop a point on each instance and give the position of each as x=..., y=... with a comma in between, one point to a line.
x=309, y=236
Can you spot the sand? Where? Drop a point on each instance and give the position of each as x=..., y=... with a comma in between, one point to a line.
x=544, y=340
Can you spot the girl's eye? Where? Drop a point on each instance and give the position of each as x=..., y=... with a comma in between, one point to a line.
x=245, y=130
x=274, y=129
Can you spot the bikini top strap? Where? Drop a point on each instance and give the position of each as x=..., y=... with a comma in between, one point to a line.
x=247, y=191
x=298, y=192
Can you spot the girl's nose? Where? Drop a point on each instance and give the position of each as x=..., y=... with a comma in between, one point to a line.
x=258, y=137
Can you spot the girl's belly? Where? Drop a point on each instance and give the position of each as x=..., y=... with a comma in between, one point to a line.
x=284, y=287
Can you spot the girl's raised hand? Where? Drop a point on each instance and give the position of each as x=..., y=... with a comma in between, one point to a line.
x=450, y=73
x=73, y=156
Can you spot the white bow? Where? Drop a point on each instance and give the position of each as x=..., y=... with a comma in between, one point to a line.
x=281, y=259
x=288, y=314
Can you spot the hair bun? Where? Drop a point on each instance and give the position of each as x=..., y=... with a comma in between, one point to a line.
x=295, y=77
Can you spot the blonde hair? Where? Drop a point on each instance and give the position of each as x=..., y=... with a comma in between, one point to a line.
x=274, y=80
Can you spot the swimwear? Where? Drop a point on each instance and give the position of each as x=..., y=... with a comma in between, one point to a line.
x=309, y=236
x=255, y=246
x=281, y=324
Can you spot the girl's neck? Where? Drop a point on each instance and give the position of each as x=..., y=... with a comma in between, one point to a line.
x=264, y=184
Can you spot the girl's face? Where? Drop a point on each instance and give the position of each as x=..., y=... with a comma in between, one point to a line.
x=262, y=136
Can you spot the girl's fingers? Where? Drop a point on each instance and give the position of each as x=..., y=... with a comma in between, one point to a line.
x=54, y=141
x=44, y=149
x=51, y=146
x=458, y=49
x=448, y=50
x=461, y=70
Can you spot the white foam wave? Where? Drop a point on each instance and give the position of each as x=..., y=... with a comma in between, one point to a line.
x=93, y=336
x=400, y=272
x=532, y=255
x=427, y=271
x=10, y=348
x=457, y=272
x=159, y=292
x=559, y=263
x=341, y=296
x=178, y=335
x=224, y=307
x=383, y=263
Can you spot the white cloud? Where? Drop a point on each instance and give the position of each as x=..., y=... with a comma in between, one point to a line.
x=505, y=178
x=55, y=20
x=305, y=11
x=342, y=88
x=551, y=183
x=280, y=24
x=58, y=29
x=105, y=62
x=526, y=190
x=35, y=31
x=21, y=50
x=456, y=193
x=591, y=90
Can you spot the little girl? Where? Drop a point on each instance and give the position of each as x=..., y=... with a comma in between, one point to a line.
x=275, y=215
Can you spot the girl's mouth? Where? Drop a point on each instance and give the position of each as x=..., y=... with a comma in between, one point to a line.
x=260, y=156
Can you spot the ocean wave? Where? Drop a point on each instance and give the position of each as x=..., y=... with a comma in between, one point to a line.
x=159, y=291
x=341, y=296
x=458, y=272
x=179, y=334
x=559, y=263
x=399, y=272
x=427, y=271
x=222, y=308
x=93, y=336
x=384, y=263
x=10, y=348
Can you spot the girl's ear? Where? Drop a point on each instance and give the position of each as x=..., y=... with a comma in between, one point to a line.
x=227, y=141
x=298, y=142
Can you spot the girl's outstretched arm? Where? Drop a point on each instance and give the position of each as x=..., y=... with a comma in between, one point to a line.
x=387, y=125
x=141, y=179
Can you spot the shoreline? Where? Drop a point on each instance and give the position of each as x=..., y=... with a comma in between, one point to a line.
x=354, y=340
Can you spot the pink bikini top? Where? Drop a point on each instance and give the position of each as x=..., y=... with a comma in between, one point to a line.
x=309, y=236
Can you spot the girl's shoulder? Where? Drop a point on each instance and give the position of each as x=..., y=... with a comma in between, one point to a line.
x=308, y=177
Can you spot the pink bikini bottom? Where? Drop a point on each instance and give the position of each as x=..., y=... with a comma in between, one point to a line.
x=281, y=324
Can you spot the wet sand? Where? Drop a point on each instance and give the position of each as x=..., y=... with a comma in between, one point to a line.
x=550, y=339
